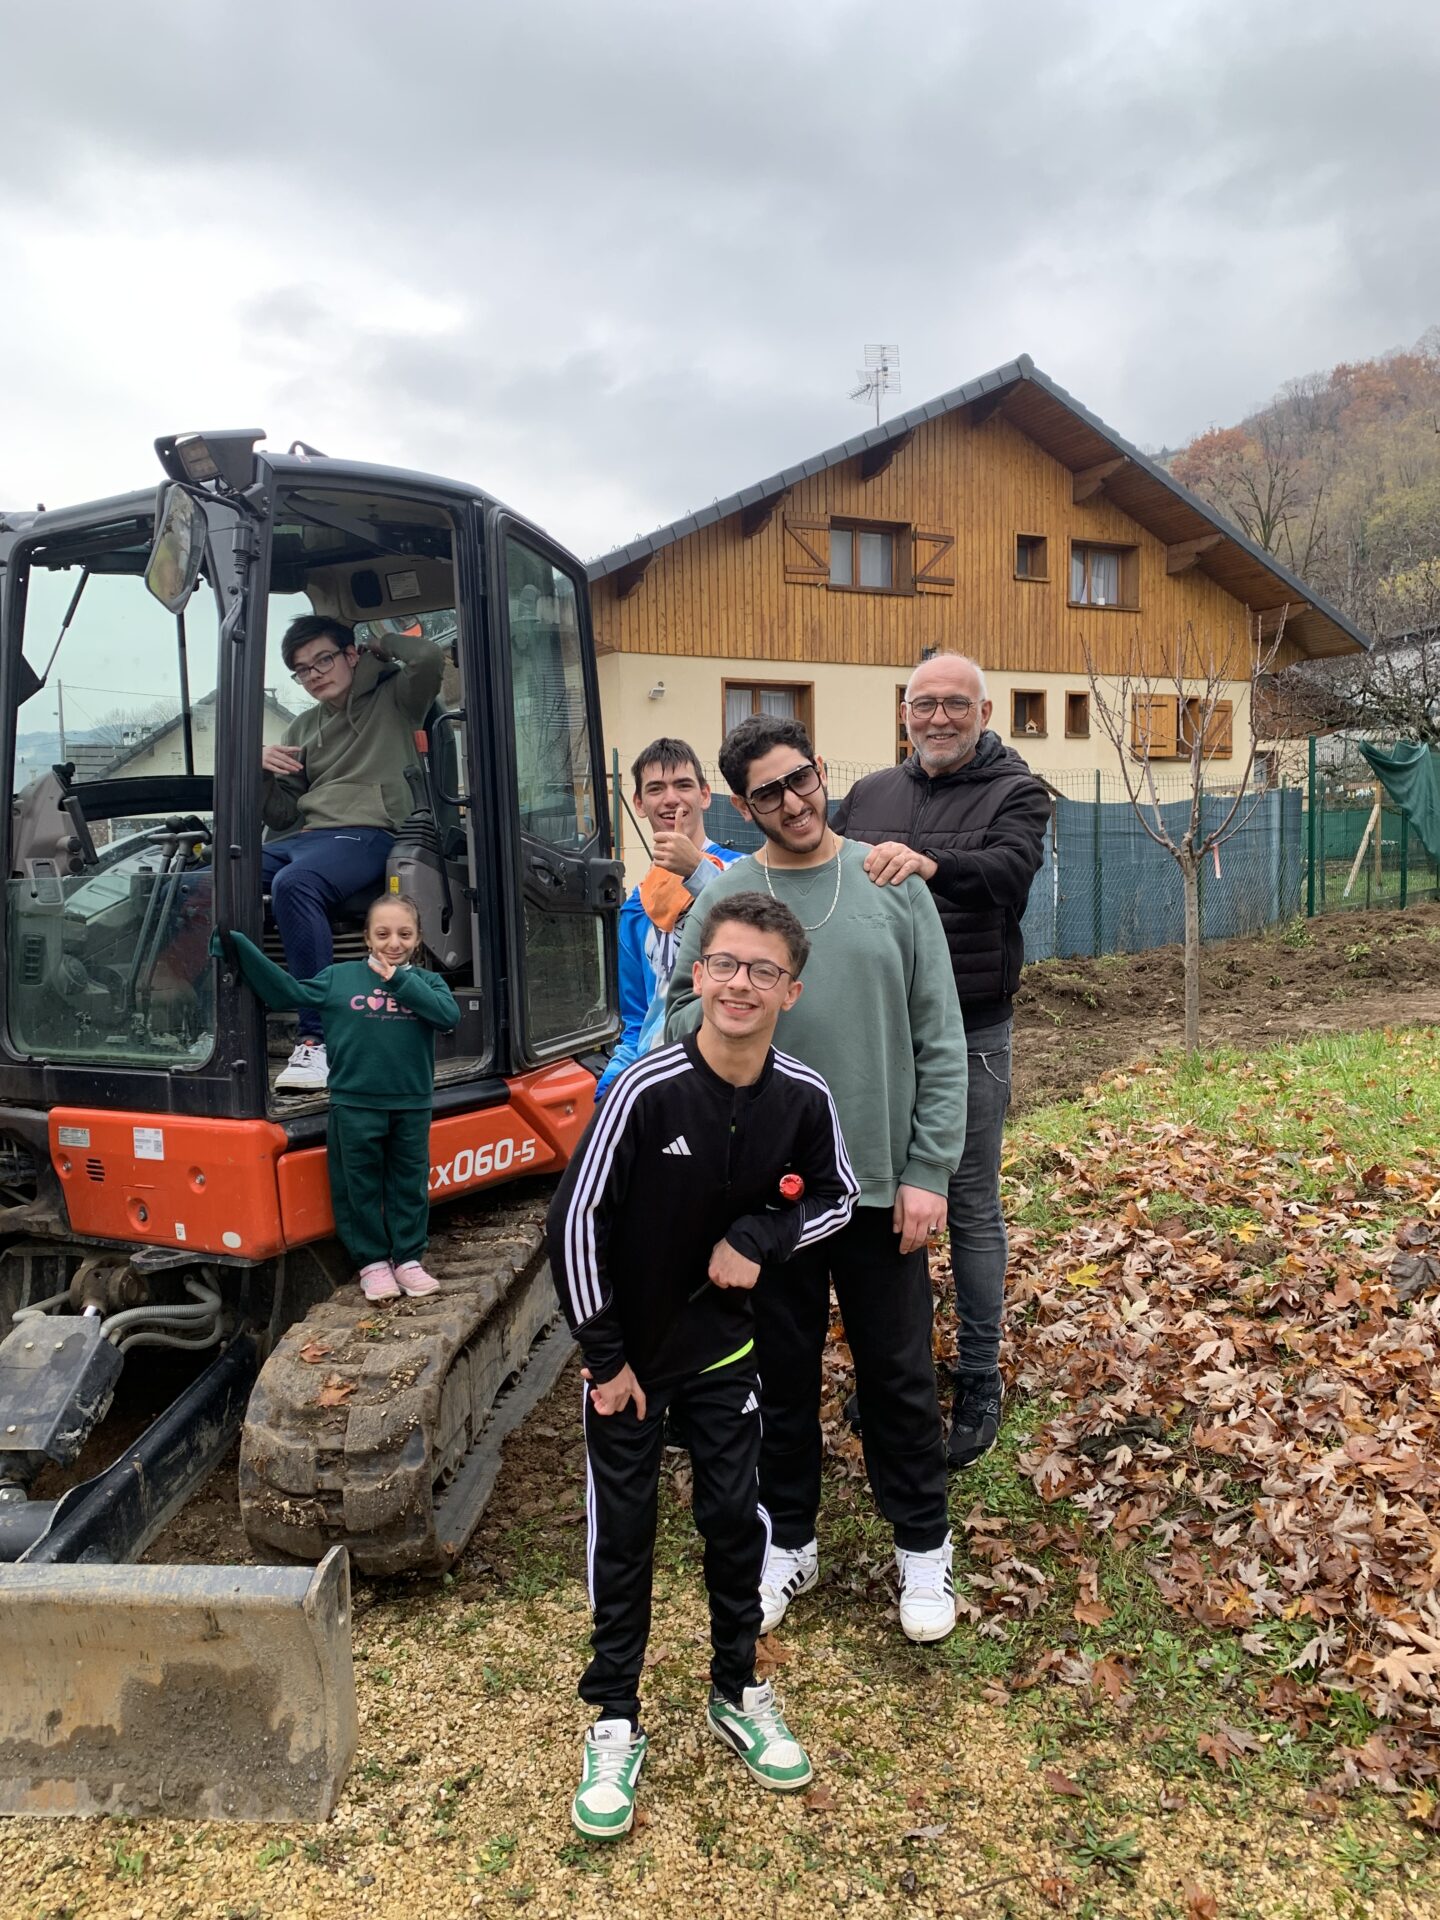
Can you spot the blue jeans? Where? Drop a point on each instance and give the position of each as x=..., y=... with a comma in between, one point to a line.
x=979, y=1247
x=307, y=875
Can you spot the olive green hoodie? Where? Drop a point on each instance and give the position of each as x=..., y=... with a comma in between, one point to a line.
x=356, y=755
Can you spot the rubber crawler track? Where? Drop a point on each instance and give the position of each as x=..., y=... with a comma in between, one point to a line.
x=365, y=1418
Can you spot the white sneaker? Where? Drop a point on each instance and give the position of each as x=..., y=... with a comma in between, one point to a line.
x=788, y=1571
x=307, y=1070
x=927, y=1592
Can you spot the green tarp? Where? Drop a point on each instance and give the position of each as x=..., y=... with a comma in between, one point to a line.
x=1410, y=775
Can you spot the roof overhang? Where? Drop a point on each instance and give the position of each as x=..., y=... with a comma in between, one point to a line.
x=1100, y=460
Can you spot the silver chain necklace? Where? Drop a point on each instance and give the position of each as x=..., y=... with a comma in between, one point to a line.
x=764, y=866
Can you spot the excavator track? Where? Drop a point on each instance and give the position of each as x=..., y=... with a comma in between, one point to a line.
x=379, y=1428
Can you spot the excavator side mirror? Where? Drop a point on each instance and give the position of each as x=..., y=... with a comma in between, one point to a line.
x=178, y=550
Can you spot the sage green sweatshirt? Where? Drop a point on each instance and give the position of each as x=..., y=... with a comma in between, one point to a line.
x=356, y=756
x=878, y=1017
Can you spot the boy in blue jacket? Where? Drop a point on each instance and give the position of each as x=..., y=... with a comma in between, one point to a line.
x=671, y=795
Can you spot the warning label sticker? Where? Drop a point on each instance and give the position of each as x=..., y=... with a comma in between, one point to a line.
x=149, y=1143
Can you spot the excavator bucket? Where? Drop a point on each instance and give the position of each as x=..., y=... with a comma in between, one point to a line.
x=216, y=1693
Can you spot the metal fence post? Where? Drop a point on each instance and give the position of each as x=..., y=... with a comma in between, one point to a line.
x=1098, y=915
x=1310, y=835
x=1404, y=855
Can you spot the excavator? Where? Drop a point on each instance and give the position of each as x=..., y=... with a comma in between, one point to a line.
x=158, y=1191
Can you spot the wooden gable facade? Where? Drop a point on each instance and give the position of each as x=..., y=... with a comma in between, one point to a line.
x=1002, y=521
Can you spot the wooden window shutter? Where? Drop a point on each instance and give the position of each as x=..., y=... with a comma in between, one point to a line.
x=1155, y=725
x=933, y=560
x=1220, y=734
x=807, y=550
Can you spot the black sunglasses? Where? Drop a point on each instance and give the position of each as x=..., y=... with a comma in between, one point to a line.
x=767, y=799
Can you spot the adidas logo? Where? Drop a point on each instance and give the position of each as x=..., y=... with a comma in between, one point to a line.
x=752, y=1405
x=679, y=1145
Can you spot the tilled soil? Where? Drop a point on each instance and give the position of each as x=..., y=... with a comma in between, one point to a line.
x=1338, y=973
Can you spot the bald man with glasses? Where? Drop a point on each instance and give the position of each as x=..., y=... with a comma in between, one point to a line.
x=966, y=814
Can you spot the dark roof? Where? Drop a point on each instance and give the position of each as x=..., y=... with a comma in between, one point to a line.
x=1078, y=439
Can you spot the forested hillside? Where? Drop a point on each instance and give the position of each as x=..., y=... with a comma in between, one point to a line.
x=1339, y=478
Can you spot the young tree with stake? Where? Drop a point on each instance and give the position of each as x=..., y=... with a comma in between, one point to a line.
x=1178, y=712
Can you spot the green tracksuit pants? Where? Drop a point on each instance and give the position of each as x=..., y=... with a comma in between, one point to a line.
x=380, y=1182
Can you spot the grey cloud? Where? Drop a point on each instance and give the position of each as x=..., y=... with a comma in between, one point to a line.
x=663, y=235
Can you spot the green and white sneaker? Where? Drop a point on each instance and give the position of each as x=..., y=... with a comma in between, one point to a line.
x=604, y=1804
x=757, y=1732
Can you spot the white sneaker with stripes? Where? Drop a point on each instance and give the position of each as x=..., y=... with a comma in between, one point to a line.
x=788, y=1571
x=927, y=1592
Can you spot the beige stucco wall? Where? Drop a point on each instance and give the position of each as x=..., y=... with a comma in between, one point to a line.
x=854, y=710
x=855, y=720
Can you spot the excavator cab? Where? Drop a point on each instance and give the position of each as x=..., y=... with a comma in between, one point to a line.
x=155, y=1187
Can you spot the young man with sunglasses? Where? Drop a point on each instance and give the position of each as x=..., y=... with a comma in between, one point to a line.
x=335, y=792
x=966, y=814
x=709, y=1159
x=880, y=1023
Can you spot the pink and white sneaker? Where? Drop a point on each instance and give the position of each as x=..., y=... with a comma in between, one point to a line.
x=414, y=1280
x=377, y=1281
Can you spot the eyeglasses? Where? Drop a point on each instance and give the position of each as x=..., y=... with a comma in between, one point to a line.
x=762, y=974
x=321, y=664
x=768, y=798
x=924, y=708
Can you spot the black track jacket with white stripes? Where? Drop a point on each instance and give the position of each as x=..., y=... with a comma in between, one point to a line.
x=675, y=1160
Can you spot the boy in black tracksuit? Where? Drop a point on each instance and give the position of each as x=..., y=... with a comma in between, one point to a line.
x=709, y=1158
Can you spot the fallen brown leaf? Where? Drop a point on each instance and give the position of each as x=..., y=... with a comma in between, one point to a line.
x=314, y=1351
x=335, y=1392
x=1059, y=1782
x=819, y=1799
x=770, y=1655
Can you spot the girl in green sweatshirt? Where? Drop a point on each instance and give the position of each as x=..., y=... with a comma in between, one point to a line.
x=381, y=1018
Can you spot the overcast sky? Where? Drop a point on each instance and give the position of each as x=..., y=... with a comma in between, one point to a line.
x=612, y=260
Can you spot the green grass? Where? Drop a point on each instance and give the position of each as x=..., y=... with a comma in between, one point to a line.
x=1336, y=1105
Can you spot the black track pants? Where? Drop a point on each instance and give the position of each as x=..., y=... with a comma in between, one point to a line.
x=722, y=1423
x=379, y=1182
x=886, y=1305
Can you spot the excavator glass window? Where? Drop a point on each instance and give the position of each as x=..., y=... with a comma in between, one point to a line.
x=556, y=793
x=109, y=904
x=384, y=566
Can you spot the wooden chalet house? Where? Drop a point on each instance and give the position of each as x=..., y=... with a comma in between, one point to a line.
x=1003, y=520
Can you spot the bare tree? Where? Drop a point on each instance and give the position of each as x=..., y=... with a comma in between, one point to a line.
x=1179, y=712
x=127, y=724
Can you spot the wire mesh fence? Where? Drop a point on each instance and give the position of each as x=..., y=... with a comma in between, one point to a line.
x=1366, y=855
x=1105, y=886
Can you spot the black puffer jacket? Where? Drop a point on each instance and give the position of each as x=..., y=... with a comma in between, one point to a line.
x=984, y=826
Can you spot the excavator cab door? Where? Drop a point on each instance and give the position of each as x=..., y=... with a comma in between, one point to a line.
x=564, y=887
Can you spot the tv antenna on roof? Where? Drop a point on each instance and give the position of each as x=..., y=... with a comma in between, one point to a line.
x=880, y=374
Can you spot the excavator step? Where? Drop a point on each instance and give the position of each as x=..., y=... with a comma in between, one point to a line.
x=211, y=1693
x=379, y=1428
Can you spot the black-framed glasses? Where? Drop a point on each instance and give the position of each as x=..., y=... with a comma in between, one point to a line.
x=322, y=663
x=762, y=974
x=956, y=708
x=768, y=798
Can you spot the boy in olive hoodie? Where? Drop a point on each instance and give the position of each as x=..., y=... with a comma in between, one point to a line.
x=335, y=792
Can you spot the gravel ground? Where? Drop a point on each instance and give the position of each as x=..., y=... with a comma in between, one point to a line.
x=929, y=1799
